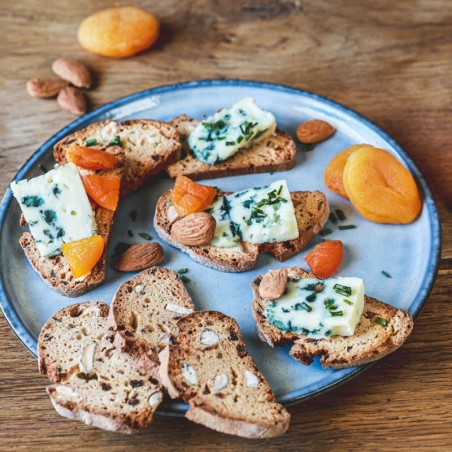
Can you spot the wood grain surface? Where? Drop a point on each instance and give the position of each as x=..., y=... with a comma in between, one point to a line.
x=390, y=60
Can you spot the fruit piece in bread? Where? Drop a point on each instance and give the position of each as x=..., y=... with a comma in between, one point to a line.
x=93, y=381
x=381, y=330
x=311, y=212
x=275, y=153
x=144, y=312
x=149, y=146
x=54, y=270
x=208, y=367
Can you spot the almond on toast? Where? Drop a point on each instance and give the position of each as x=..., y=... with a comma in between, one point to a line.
x=208, y=367
x=149, y=146
x=370, y=342
x=93, y=381
x=311, y=211
x=277, y=153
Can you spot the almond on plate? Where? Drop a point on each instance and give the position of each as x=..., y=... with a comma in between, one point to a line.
x=140, y=256
x=194, y=229
x=314, y=131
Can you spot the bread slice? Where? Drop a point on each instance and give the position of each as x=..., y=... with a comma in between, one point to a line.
x=54, y=270
x=149, y=145
x=208, y=367
x=311, y=211
x=276, y=153
x=370, y=342
x=144, y=312
x=93, y=381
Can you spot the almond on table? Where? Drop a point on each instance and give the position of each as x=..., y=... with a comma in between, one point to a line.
x=90, y=159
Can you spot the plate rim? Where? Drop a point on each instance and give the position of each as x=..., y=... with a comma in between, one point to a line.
x=24, y=335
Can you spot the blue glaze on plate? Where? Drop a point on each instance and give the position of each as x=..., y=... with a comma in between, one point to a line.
x=409, y=253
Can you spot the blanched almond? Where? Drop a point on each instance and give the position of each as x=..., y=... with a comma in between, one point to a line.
x=140, y=256
x=314, y=131
x=45, y=87
x=273, y=284
x=73, y=71
x=194, y=229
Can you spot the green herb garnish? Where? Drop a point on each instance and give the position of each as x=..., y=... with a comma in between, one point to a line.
x=325, y=232
x=336, y=313
x=145, y=236
x=386, y=274
x=133, y=215
x=305, y=306
x=90, y=142
x=381, y=321
x=342, y=290
x=347, y=302
x=170, y=203
x=181, y=271
x=185, y=279
x=311, y=297
x=333, y=218
x=347, y=226
x=116, y=141
x=340, y=214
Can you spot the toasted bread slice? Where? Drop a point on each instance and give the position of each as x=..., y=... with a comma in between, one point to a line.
x=276, y=153
x=311, y=211
x=144, y=312
x=370, y=342
x=54, y=270
x=149, y=146
x=208, y=367
x=94, y=382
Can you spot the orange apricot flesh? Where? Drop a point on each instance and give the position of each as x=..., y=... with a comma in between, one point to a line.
x=103, y=189
x=82, y=255
x=90, y=159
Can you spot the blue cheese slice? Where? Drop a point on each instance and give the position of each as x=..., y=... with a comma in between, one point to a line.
x=56, y=208
x=257, y=215
x=222, y=135
x=335, y=310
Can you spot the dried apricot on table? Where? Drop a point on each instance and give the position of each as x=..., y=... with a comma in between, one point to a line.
x=380, y=187
x=325, y=258
x=189, y=197
x=82, y=255
x=103, y=189
x=90, y=159
x=119, y=32
x=334, y=171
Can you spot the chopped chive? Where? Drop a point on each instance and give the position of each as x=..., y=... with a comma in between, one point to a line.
x=229, y=143
x=42, y=168
x=133, y=215
x=145, y=236
x=347, y=226
x=116, y=141
x=130, y=233
x=336, y=313
x=381, y=321
x=181, y=271
x=311, y=297
x=333, y=218
x=347, y=302
x=185, y=279
x=306, y=307
x=340, y=214
x=342, y=290
x=325, y=232
x=170, y=203
x=90, y=142
x=386, y=274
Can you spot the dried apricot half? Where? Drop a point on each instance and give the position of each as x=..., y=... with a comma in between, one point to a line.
x=82, y=255
x=119, y=32
x=90, y=159
x=380, y=187
x=103, y=189
x=335, y=169
x=325, y=258
x=189, y=197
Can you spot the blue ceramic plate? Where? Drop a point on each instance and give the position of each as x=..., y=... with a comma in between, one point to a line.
x=408, y=253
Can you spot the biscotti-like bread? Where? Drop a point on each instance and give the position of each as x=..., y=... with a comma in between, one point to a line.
x=371, y=340
x=208, y=367
x=149, y=146
x=311, y=212
x=54, y=270
x=276, y=153
x=93, y=381
x=144, y=312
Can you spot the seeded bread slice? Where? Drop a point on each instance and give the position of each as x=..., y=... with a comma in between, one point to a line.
x=276, y=153
x=208, y=367
x=311, y=211
x=54, y=270
x=149, y=145
x=94, y=382
x=144, y=312
x=370, y=342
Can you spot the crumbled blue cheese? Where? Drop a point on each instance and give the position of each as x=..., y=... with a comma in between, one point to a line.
x=56, y=208
x=222, y=135
x=256, y=215
x=303, y=309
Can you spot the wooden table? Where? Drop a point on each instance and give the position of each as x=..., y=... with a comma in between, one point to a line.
x=389, y=60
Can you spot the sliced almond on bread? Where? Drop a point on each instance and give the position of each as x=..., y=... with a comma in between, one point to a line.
x=93, y=381
x=371, y=340
x=276, y=153
x=208, y=367
x=149, y=146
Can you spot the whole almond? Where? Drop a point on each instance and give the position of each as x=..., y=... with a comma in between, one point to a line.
x=194, y=229
x=273, y=284
x=140, y=256
x=73, y=100
x=72, y=71
x=45, y=87
x=314, y=131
